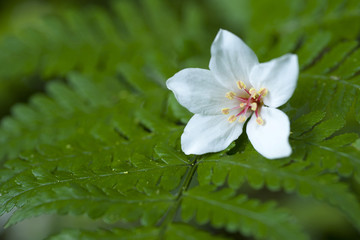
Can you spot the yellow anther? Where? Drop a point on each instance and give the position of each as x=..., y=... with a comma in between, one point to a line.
x=232, y=119
x=242, y=118
x=252, y=92
x=263, y=92
x=225, y=110
x=230, y=95
x=253, y=106
x=259, y=121
x=242, y=105
x=241, y=85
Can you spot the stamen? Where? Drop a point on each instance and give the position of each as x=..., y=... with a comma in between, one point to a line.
x=225, y=110
x=254, y=106
x=242, y=118
x=242, y=111
x=259, y=121
x=257, y=112
x=230, y=95
x=241, y=85
x=241, y=99
x=252, y=92
x=253, y=102
x=247, y=91
x=263, y=92
x=232, y=119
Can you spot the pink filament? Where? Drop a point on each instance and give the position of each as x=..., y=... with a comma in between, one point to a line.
x=248, y=101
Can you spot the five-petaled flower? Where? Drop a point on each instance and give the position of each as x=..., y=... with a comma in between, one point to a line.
x=236, y=87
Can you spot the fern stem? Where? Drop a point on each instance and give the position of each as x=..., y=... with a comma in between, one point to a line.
x=175, y=207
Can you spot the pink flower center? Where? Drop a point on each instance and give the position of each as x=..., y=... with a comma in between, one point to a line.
x=251, y=102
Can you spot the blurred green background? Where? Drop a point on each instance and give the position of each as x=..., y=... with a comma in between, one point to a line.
x=42, y=41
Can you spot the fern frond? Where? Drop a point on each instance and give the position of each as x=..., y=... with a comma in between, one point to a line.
x=331, y=152
x=175, y=231
x=135, y=233
x=102, y=186
x=104, y=139
x=315, y=146
x=276, y=175
x=98, y=157
x=107, y=100
x=237, y=213
x=303, y=20
x=328, y=85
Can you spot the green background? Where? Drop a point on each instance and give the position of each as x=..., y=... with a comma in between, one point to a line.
x=90, y=136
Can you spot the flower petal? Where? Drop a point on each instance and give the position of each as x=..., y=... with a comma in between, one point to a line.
x=198, y=91
x=204, y=134
x=231, y=59
x=278, y=76
x=271, y=139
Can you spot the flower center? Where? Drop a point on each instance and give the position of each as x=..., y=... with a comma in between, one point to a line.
x=252, y=102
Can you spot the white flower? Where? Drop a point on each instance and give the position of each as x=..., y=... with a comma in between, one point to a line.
x=236, y=87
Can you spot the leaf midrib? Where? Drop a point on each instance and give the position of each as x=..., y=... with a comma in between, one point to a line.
x=89, y=177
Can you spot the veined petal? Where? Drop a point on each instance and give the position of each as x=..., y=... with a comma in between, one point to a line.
x=272, y=138
x=198, y=91
x=204, y=134
x=278, y=76
x=231, y=59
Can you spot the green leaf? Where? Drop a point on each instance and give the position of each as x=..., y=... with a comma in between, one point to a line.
x=174, y=231
x=136, y=233
x=237, y=213
x=275, y=175
x=89, y=128
x=306, y=122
